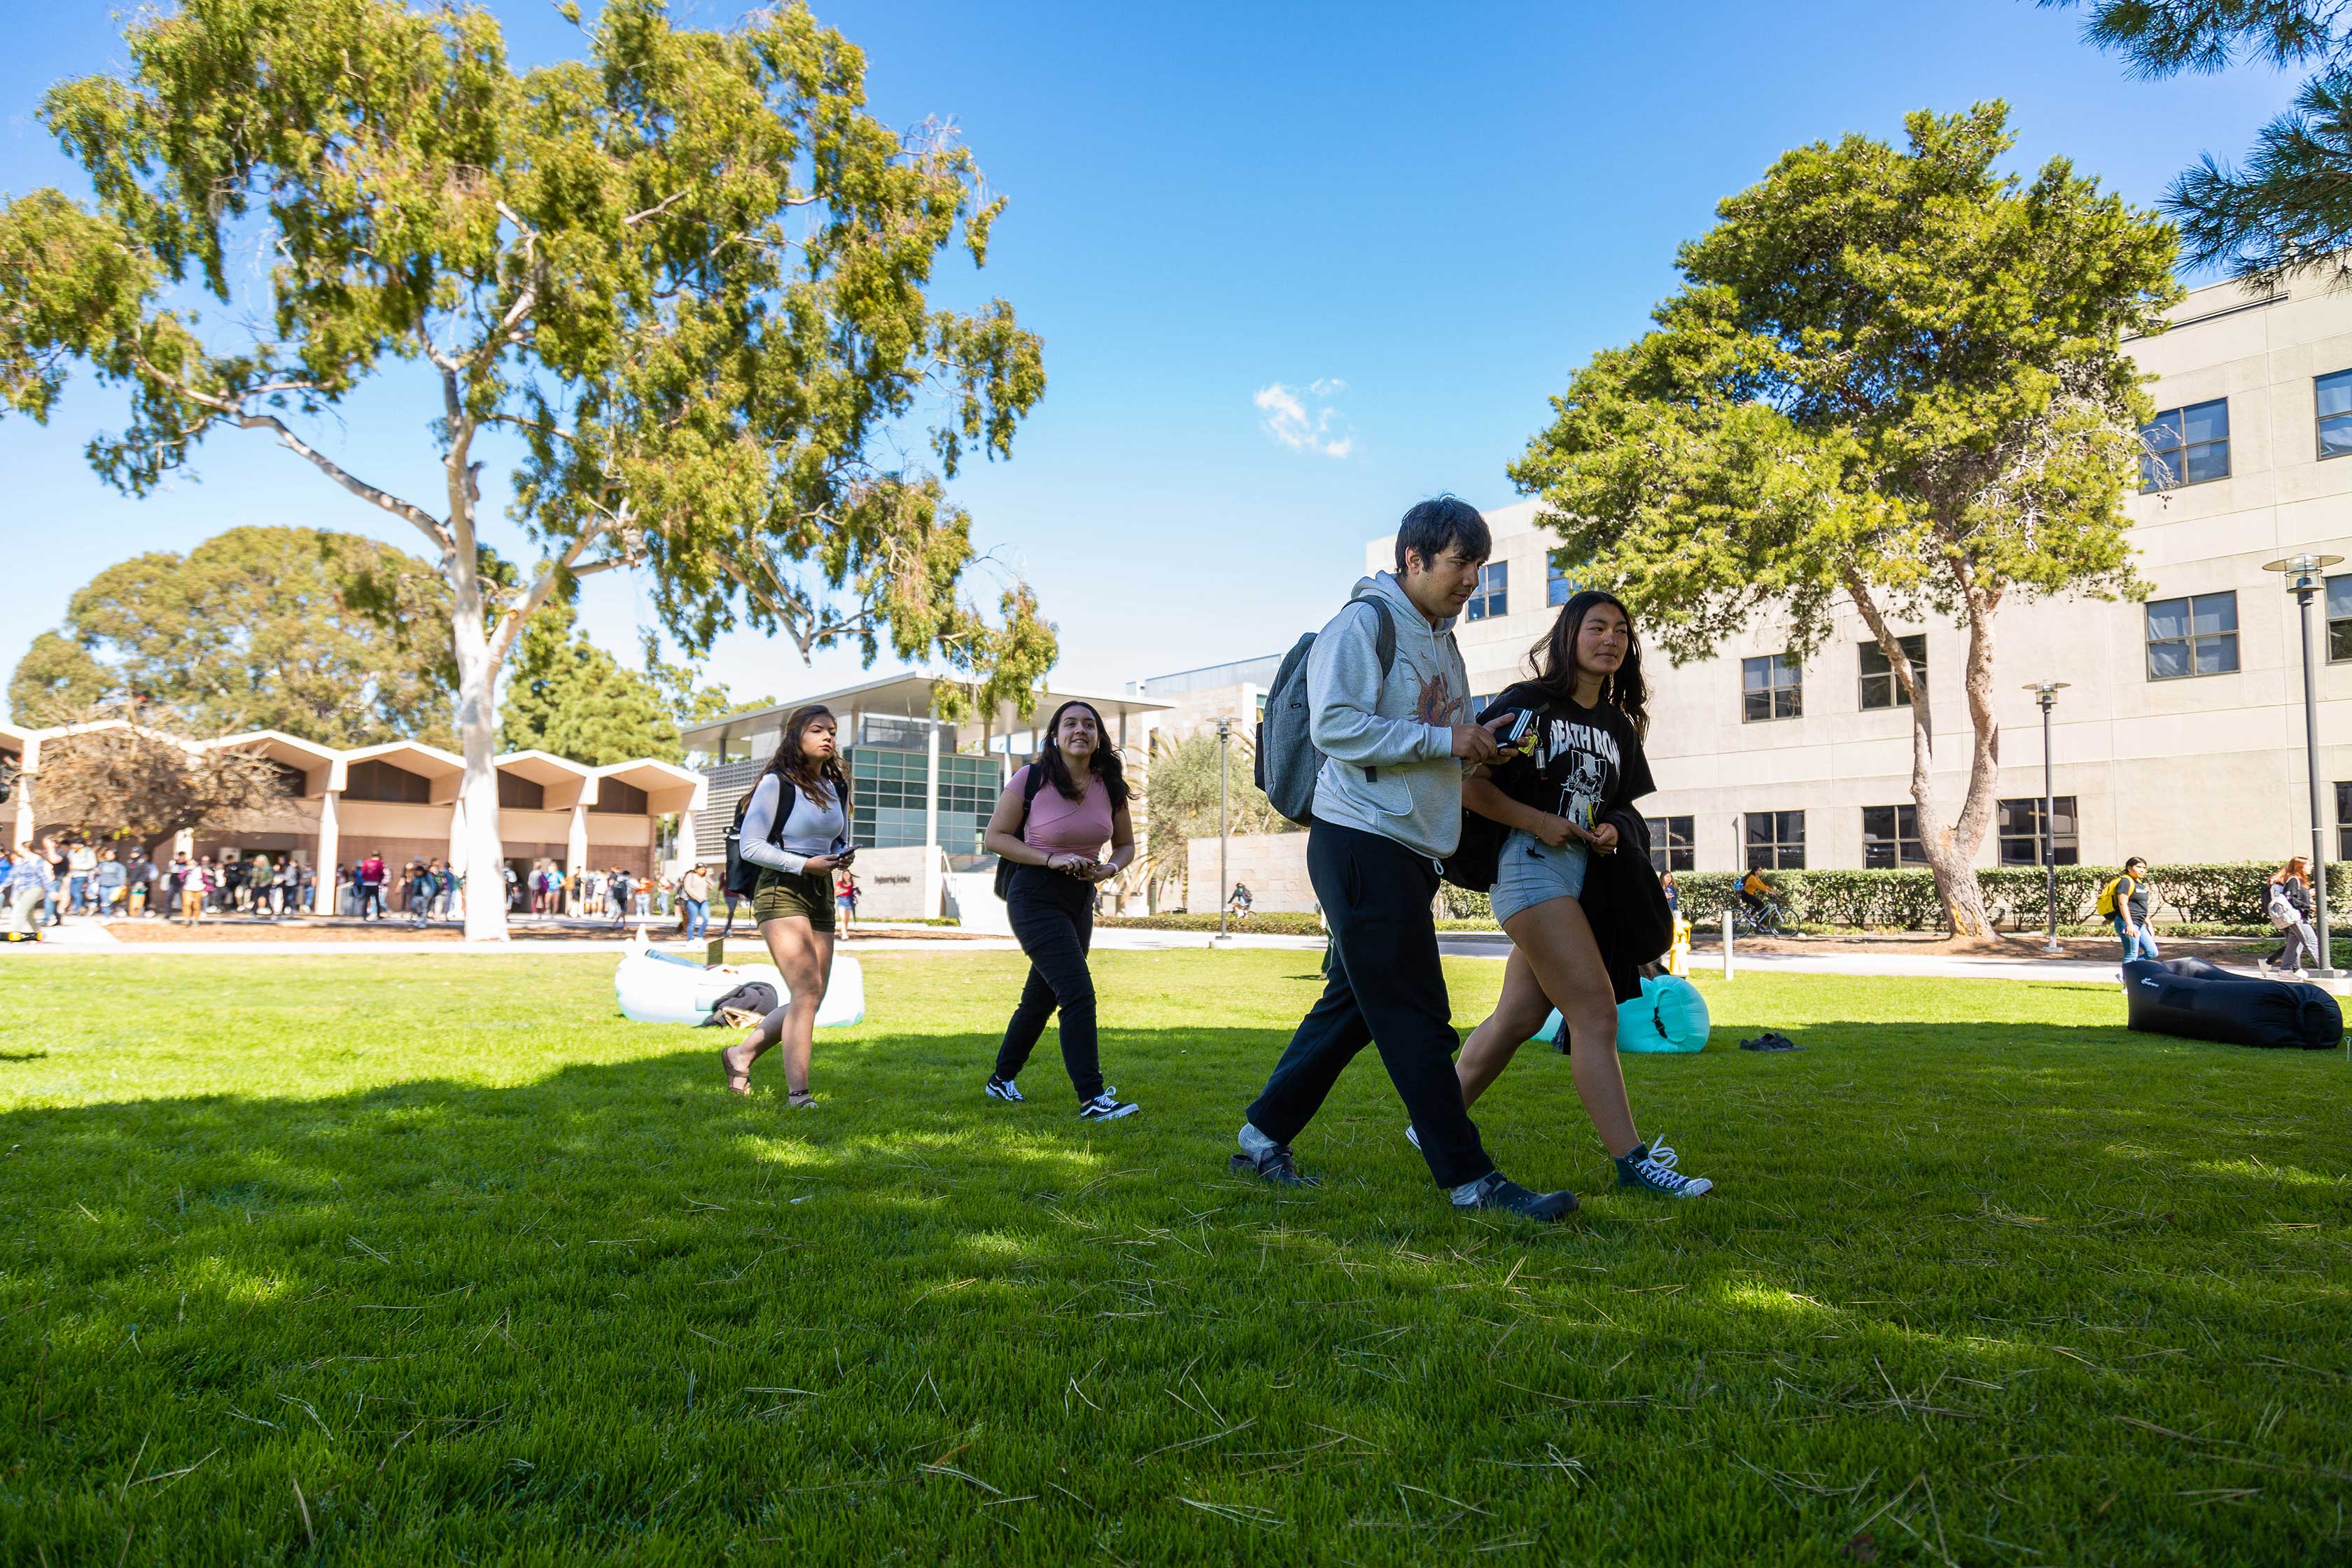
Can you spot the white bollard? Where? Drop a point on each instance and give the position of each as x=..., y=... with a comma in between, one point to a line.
x=1726, y=944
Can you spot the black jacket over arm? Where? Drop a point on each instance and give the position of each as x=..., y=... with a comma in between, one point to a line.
x=1624, y=904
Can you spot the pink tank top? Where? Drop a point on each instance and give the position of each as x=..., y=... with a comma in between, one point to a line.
x=1059, y=825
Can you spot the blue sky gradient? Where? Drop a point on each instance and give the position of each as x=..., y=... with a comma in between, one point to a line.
x=1411, y=223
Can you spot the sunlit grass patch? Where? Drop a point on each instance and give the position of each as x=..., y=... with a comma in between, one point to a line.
x=490, y=1274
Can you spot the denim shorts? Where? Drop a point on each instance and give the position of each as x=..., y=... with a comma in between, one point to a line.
x=1532, y=872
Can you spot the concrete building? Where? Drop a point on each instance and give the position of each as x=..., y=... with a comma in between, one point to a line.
x=2180, y=734
x=921, y=789
x=399, y=800
x=1197, y=698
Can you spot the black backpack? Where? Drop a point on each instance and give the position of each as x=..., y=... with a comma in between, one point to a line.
x=1478, y=858
x=743, y=875
x=1004, y=867
x=1286, y=759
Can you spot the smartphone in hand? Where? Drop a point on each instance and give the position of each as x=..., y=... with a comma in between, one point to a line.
x=1518, y=732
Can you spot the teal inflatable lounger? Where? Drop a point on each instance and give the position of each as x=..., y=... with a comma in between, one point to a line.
x=1668, y=1015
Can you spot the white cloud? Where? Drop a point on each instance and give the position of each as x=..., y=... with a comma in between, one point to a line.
x=1308, y=424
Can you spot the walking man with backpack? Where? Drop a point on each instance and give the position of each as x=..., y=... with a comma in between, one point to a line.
x=1366, y=739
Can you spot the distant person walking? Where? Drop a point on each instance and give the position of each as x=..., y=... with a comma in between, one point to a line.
x=27, y=888
x=1052, y=822
x=110, y=878
x=795, y=828
x=2125, y=903
x=694, y=892
x=1387, y=700
x=369, y=878
x=2289, y=910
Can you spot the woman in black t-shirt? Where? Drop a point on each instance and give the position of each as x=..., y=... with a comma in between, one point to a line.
x=1582, y=761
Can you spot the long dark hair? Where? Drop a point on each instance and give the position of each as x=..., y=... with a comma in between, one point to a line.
x=794, y=768
x=1553, y=659
x=1108, y=767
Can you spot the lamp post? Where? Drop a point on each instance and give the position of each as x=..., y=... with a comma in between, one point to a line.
x=2047, y=692
x=1224, y=891
x=2306, y=575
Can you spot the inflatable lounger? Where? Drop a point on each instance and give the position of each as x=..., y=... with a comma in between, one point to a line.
x=1668, y=1015
x=663, y=988
x=2201, y=1001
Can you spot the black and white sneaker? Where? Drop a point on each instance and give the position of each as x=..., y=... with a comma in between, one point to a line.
x=1275, y=1165
x=1103, y=1108
x=1496, y=1191
x=1651, y=1167
x=1002, y=1089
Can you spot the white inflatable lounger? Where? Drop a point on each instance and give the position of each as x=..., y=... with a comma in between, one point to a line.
x=663, y=988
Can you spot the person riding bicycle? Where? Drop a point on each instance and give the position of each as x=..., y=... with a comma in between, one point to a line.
x=1756, y=891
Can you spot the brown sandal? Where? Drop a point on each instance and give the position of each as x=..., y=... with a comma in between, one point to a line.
x=737, y=1082
x=800, y=1100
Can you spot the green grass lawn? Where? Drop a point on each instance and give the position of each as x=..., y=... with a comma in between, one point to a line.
x=437, y=1259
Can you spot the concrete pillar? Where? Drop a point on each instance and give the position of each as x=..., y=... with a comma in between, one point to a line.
x=935, y=901
x=575, y=852
x=26, y=766
x=458, y=855
x=330, y=856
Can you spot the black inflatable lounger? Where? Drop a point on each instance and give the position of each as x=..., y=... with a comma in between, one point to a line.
x=2201, y=1001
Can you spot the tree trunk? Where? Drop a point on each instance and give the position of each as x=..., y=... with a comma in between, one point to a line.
x=478, y=677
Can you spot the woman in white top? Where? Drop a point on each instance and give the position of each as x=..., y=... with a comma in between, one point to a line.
x=795, y=828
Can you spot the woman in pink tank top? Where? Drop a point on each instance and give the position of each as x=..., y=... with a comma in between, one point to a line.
x=1052, y=822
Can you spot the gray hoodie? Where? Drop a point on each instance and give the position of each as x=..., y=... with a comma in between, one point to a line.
x=1401, y=729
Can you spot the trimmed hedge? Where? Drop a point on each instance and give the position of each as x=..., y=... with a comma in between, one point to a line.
x=2231, y=893
x=1288, y=922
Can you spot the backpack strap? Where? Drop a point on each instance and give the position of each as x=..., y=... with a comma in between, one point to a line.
x=1383, y=643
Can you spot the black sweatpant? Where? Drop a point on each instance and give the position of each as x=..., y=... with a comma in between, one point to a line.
x=1387, y=988
x=1053, y=914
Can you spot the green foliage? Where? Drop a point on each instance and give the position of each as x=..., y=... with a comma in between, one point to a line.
x=58, y=681
x=1892, y=379
x=260, y=629
x=1180, y=802
x=567, y=696
x=552, y=1296
x=2290, y=207
x=2233, y=894
x=1266, y=923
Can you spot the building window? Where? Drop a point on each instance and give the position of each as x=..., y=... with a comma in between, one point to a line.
x=1879, y=687
x=2344, y=821
x=1776, y=840
x=2331, y=394
x=2022, y=835
x=615, y=798
x=2186, y=446
x=1890, y=837
x=374, y=780
x=2192, y=636
x=1493, y=594
x=1670, y=844
x=1771, y=687
x=2339, y=620
x=1559, y=587
x=521, y=793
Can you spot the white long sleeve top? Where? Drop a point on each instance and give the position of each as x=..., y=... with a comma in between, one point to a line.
x=809, y=831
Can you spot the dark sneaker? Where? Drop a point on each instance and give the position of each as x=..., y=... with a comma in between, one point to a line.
x=1499, y=1191
x=1276, y=1165
x=1651, y=1168
x=1002, y=1088
x=1103, y=1108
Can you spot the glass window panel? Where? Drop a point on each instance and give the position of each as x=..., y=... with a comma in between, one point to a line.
x=2155, y=473
x=2339, y=597
x=2217, y=656
x=2344, y=802
x=2168, y=618
x=1788, y=702
x=2335, y=436
x=2167, y=660
x=2210, y=461
x=2205, y=422
x=2164, y=430
x=2211, y=613
x=2333, y=393
x=1755, y=672
x=2339, y=641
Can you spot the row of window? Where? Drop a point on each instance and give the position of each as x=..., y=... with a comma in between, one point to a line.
x=1775, y=840
x=375, y=779
x=1772, y=685
x=2191, y=444
x=1493, y=598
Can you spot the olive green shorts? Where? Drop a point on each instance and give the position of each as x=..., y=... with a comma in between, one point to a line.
x=781, y=895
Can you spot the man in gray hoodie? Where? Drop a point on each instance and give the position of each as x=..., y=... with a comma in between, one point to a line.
x=1388, y=809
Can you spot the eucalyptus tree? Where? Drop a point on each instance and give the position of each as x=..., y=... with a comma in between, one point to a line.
x=1893, y=379
x=682, y=279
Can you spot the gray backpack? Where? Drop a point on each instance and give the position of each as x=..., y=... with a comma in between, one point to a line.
x=1287, y=759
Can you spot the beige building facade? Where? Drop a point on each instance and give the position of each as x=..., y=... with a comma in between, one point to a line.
x=2180, y=735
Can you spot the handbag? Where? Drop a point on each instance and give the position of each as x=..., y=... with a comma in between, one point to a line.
x=1004, y=868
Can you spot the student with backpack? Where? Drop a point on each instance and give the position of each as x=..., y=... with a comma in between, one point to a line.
x=1370, y=748
x=1049, y=826
x=2125, y=903
x=793, y=834
x=2289, y=907
x=1567, y=801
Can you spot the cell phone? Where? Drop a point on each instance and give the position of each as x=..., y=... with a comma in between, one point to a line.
x=846, y=857
x=1515, y=735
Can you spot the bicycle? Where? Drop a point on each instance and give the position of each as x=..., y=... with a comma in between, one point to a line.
x=1769, y=920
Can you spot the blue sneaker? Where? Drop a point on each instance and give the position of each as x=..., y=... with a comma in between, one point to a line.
x=1002, y=1089
x=1651, y=1167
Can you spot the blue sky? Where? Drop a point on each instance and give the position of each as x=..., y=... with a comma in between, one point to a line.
x=1295, y=267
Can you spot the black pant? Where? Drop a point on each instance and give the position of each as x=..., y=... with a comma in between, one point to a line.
x=1387, y=987
x=1053, y=914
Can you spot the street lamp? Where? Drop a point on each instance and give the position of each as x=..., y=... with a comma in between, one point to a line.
x=2047, y=691
x=2306, y=575
x=1224, y=891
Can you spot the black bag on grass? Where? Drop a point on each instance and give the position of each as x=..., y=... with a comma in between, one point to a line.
x=751, y=996
x=2201, y=1001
